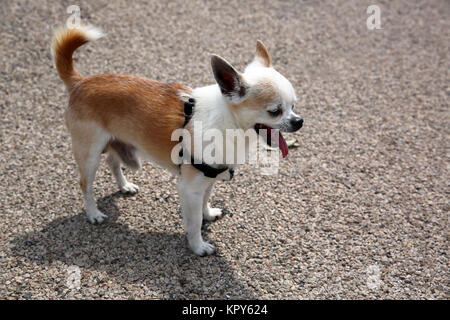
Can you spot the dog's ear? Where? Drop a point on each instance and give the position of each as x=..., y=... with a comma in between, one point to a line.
x=230, y=81
x=262, y=55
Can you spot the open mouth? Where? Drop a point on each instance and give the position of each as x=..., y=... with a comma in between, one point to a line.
x=281, y=142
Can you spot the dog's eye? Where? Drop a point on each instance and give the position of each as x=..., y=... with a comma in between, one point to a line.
x=275, y=113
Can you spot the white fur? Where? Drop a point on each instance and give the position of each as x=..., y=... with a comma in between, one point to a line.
x=256, y=72
x=212, y=109
x=193, y=195
x=100, y=138
x=90, y=32
x=213, y=112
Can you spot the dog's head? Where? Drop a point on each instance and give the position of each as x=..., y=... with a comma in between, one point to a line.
x=259, y=98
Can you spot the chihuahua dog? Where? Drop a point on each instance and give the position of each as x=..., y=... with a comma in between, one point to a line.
x=131, y=117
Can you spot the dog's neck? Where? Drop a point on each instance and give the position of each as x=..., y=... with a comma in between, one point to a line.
x=212, y=109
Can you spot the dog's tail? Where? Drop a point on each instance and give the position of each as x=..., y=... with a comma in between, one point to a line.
x=65, y=42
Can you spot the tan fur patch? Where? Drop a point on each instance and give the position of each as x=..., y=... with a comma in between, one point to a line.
x=262, y=54
x=65, y=42
x=260, y=95
x=83, y=184
x=133, y=109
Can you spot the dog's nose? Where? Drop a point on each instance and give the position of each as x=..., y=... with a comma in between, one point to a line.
x=297, y=123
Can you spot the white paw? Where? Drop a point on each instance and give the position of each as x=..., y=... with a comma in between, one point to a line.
x=129, y=188
x=213, y=214
x=96, y=216
x=203, y=249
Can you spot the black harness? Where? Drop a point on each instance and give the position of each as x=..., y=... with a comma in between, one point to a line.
x=207, y=170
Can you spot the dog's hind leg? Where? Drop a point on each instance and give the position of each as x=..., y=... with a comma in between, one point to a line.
x=88, y=142
x=210, y=214
x=115, y=164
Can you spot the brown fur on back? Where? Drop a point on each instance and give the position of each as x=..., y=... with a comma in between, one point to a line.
x=133, y=109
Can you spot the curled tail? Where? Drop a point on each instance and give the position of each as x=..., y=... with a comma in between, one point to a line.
x=65, y=42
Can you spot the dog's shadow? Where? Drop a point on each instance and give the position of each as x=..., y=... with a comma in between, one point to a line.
x=160, y=261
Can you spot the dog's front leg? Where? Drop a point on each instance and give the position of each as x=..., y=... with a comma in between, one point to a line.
x=192, y=187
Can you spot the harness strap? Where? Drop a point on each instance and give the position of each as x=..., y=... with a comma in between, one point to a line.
x=188, y=110
x=207, y=170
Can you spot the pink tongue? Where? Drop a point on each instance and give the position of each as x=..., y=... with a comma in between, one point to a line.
x=282, y=145
x=281, y=142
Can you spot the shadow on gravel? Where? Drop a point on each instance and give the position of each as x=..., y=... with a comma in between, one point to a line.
x=161, y=261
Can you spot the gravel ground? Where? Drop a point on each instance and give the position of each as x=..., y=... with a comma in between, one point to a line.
x=359, y=210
